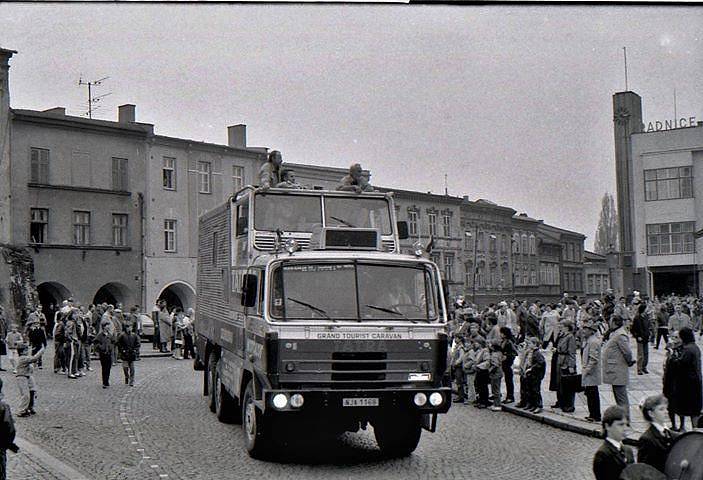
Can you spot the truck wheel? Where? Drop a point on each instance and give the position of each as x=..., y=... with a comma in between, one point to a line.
x=257, y=437
x=225, y=406
x=398, y=436
x=210, y=374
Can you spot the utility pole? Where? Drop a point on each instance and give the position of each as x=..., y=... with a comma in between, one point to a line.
x=92, y=100
x=624, y=51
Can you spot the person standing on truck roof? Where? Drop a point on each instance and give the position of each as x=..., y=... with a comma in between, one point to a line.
x=355, y=181
x=270, y=172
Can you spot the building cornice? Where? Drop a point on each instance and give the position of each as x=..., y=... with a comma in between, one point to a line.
x=73, y=188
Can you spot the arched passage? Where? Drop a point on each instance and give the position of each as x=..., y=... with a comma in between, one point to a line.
x=178, y=294
x=112, y=293
x=51, y=294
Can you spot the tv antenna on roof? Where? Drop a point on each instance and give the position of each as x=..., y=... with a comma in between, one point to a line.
x=91, y=99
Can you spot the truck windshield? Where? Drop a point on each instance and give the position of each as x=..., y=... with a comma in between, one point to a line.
x=288, y=213
x=358, y=213
x=353, y=291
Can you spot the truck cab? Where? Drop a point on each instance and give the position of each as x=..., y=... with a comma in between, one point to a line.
x=309, y=317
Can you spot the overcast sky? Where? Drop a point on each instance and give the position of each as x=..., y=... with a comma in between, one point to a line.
x=514, y=103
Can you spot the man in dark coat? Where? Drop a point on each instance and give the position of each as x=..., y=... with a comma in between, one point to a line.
x=7, y=435
x=104, y=346
x=641, y=331
x=612, y=457
x=684, y=372
x=128, y=344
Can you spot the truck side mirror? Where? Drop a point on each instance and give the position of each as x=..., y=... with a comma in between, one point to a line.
x=249, y=284
x=403, y=233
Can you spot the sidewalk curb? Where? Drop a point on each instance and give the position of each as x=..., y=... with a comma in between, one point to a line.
x=51, y=463
x=594, y=431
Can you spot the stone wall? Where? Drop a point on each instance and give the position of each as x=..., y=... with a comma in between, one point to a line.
x=17, y=288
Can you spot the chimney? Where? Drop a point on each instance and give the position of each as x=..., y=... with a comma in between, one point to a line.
x=466, y=198
x=126, y=113
x=237, y=136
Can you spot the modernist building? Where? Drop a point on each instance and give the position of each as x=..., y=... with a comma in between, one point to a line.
x=660, y=202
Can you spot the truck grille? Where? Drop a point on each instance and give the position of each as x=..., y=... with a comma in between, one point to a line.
x=358, y=366
x=388, y=245
x=267, y=242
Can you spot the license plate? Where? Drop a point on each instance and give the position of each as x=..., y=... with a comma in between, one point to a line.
x=360, y=402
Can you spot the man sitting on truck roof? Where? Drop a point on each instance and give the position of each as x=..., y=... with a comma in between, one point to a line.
x=355, y=181
x=269, y=174
x=288, y=179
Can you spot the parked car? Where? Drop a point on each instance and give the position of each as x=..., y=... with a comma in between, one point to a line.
x=147, y=325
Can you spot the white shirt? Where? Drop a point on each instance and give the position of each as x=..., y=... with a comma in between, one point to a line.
x=615, y=443
x=662, y=429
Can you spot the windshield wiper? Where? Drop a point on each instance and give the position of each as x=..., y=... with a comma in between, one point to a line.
x=311, y=307
x=343, y=222
x=390, y=310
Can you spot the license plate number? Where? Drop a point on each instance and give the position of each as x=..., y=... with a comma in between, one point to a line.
x=360, y=402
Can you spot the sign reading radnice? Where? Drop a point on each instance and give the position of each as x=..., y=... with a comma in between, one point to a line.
x=672, y=124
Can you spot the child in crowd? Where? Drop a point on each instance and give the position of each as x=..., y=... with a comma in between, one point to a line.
x=482, y=380
x=495, y=373
x=468, y=363
x=535, y=368
x=460, y=350
x=25, y=378
x=13, y=338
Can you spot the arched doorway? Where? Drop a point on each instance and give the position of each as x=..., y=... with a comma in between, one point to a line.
x=112, y=293
x=178, y=294
x=51, y=294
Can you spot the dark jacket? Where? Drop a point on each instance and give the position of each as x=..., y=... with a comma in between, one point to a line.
x=531, y=325
x=537, y=367
x=640, y=328
x=37, y=337
x=609, y=462
x=7, y=426
x=128, y=345
x=654, y=448
x=103, y=343
x=683, y=386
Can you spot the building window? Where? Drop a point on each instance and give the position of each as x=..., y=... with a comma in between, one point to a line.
x=525, y=276
x=670, y=238
x=412, y=222
x=119, y=230
x=516, y=243
x=481, y=274
x=504, y=243
x=237, y=177
x=81, y=228
x=469, y=274
x=432, y=219
x=119, y=174
x=39, y=225
x=578, y=286
x=492, y=243
x=169, y=173
x=436, y=258
x=205, y=177
x=480, y=238
x=169, y=235
x=449, y=268
x=447, y=225
x=525, y=249
x=668, y=183
x=533, y=245
x=39, y=163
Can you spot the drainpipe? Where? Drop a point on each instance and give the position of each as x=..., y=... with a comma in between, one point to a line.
x=142, y=249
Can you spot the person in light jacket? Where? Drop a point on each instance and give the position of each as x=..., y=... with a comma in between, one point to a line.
x=617, y=360
x=164, y=327
x=591, y=370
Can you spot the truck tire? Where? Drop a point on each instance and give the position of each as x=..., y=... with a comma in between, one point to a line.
x=398, y=436
x=210, y=374
x=226, y=408
x=257, y=436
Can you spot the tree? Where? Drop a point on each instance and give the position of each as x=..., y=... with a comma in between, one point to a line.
x=607, y=232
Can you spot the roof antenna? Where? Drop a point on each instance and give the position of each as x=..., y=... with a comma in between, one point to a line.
x=91, y=99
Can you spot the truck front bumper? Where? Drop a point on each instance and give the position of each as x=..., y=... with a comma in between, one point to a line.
x=364, y=402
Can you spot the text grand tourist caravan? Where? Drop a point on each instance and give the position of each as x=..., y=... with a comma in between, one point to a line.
x=310, y=319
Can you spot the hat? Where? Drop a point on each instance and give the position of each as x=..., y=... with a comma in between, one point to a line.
x=503, y=304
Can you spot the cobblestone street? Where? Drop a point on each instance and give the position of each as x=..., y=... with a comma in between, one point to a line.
x=162, y=428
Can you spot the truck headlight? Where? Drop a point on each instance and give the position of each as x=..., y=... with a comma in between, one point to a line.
x=420, y=399
x=296, y=400
x=280, y=400
x=436, y=399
